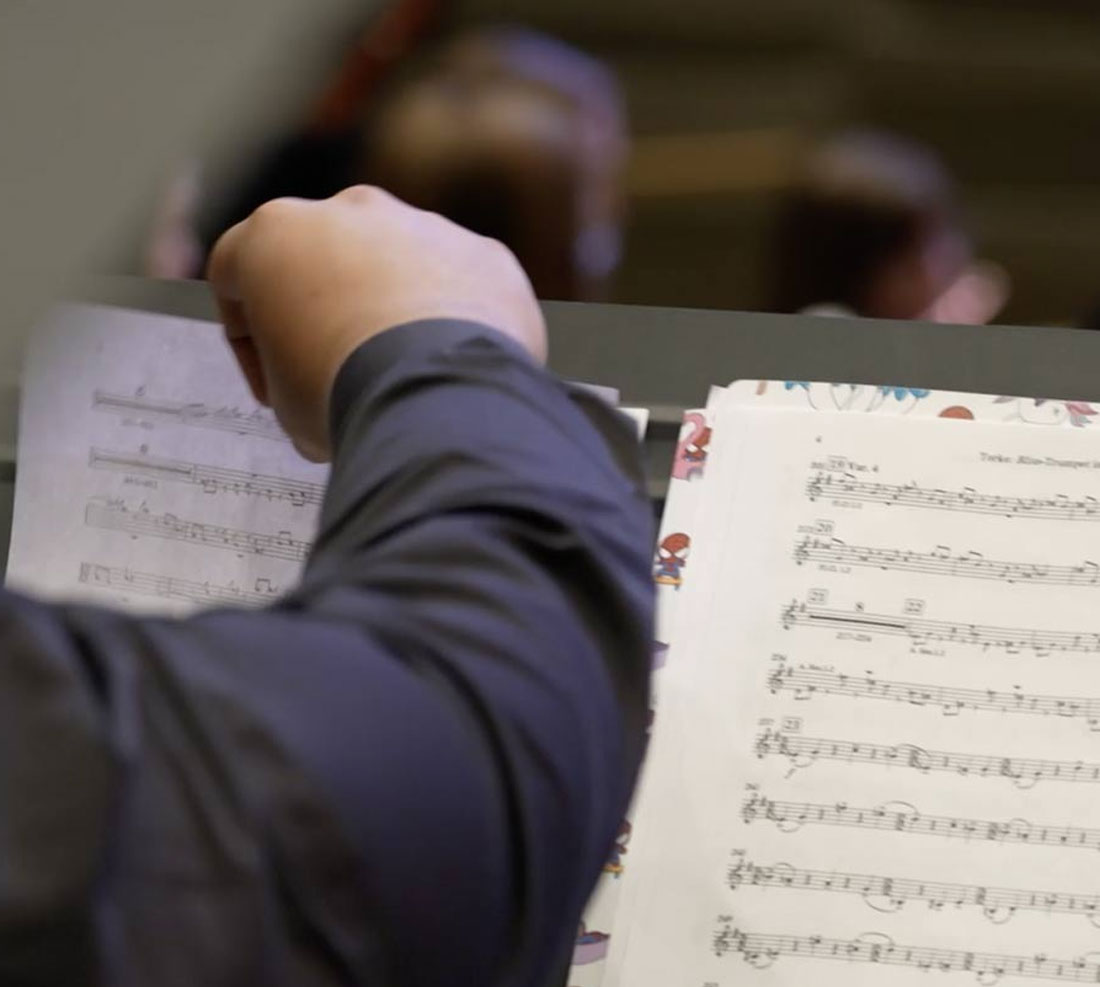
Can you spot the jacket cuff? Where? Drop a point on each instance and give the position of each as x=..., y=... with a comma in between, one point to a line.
x=412, y=341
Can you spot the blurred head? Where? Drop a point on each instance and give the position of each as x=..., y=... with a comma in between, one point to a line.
x=873, y=226
x=515, y=136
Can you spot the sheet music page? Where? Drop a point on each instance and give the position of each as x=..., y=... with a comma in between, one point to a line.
x=878, y=759
x=148, y=476
x=670, y=568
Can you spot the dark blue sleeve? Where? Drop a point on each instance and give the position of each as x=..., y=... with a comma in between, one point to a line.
x=410, y=771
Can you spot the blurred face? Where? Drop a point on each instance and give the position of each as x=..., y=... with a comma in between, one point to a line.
x=938, y=280
x=908, y=286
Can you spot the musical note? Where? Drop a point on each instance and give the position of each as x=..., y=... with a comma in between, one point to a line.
x=116, y=516
x=260, y=424
x=970, y=565
x=806, y=683
x=174, y=588
x=761, y=951
x=923, y=631
x=1024, y=772
x=901, y=817
x=889, y=894
x=847, y=487
x=212, y=479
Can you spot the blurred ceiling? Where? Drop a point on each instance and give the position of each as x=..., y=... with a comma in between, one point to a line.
x=721, y=93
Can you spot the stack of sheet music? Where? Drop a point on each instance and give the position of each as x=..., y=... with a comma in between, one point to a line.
x=876, y=754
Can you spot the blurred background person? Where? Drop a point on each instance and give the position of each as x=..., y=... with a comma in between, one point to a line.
x=518, y=137
x=873, y=227
x=723, y=101
x=314, y=160
x=506, y=131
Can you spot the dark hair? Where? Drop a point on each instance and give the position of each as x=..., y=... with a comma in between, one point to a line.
x=862, y=200
x=517, y=177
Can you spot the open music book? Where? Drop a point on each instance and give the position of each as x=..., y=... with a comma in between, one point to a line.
x=876, y=753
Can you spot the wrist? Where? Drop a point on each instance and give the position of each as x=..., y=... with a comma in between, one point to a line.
x=370, y=361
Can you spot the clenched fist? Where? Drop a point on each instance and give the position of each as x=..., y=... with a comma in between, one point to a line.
x=301, y=284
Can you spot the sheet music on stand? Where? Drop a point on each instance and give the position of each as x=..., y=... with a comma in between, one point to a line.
x=877, y=750
x=148, y=476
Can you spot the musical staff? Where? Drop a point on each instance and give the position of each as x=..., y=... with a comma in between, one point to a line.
x=904, y=818
x=1024, y=772
x=847, y=487
x=174, y=588
x=941, y=562
x=923, y=631
x=806, y=683
x=891, y=894
x=118, y=517
x=761, y=951
x=260, y=424
x=212, y=479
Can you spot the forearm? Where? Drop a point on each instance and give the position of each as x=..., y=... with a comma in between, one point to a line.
x=511, y=502
x=447, y=715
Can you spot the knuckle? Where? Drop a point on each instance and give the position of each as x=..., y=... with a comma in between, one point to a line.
x=497, y=250
x=506, y=258
x=361, y=195
x=274, y=211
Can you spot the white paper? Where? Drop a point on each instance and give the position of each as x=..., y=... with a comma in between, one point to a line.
x=640, y=418
x=148, y=477
x=877, y=759
x=671, y=567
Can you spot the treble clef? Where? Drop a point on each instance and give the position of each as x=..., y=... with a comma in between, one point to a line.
x=775, y=678
x=788, y=615
x=728, y=940
x=752, y=807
